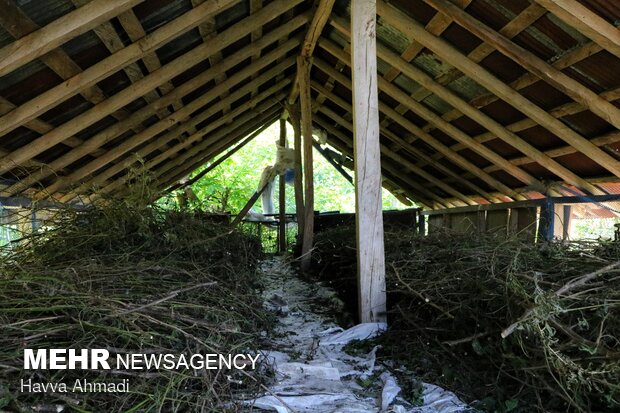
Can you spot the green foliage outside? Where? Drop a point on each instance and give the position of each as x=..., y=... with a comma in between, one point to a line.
x=229, y=186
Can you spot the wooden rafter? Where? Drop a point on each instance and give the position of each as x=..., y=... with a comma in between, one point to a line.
x=186, y=162
x=142, y=114
x=415, y=191
x=587, y=22
x=238, y=139
x=451, y=55
x=219, y=140
x=198, y=139
x=426, y=113
x=161, y=126
x=59, y=31
x=148, y=83
x=532, y=63
x=111, y=64
x=400, y=142
x=401, y=160
x=410, y=126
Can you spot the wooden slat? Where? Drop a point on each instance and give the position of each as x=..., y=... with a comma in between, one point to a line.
x=449, y=54
x=404, y=163
x=159, y=127
x=402, y=97
x=410, y=126
x=227, y=134
x=586, y=22
x=208, y=30
x=112, y=63
x=486, y=121
x=402, y=143
x=219, y=141
x=142, y=114
x=165, y=73
x=59, y=31
x=345, y=145
x=537, y=66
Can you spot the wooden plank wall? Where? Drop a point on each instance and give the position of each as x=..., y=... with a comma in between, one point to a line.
x=521, y=222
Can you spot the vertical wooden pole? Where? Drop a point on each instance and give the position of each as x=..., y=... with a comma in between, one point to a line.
x=368, y=205
x=303, y=78
x=299, y=195
x=282, y=198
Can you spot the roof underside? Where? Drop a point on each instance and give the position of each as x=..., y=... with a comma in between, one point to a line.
x=481, y=100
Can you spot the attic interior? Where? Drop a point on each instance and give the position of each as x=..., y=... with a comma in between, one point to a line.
x=495, y=122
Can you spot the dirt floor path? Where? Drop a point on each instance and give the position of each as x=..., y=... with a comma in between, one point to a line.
x=313, y=373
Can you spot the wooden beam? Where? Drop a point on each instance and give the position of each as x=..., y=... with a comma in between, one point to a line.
x=245, y=122
x=397, y=94
x=321, y=16
x=295, y=119
x=216, y=144
x=153, y=130
x=367, y=158
x=405, y=145
x=448, y=128
x=282, y=242
x=399, y=159
x=586, y=22
x=451, y=55
x=305, y=100
x=540, y=68
x=219, y=140
x=486, y=121
x=18, y=24
x=345, y=145
x=558, y=112
x=216, y=163
x=568, y=59
x=144, y=113
x=167, y=72
x=120, y=59
x=59, y=31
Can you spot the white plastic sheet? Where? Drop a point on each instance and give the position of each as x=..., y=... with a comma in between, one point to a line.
x=314, y=374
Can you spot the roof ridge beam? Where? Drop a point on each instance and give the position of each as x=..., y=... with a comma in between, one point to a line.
x=320, y=18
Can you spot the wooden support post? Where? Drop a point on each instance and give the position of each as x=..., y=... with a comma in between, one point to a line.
x=546, y=220
x=299, y=195
x=282, y=196
x=561, y=224
x=305, y=100
x=368, y=205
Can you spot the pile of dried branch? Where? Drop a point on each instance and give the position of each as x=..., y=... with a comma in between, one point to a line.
x=517, y=326
x=131, y=279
